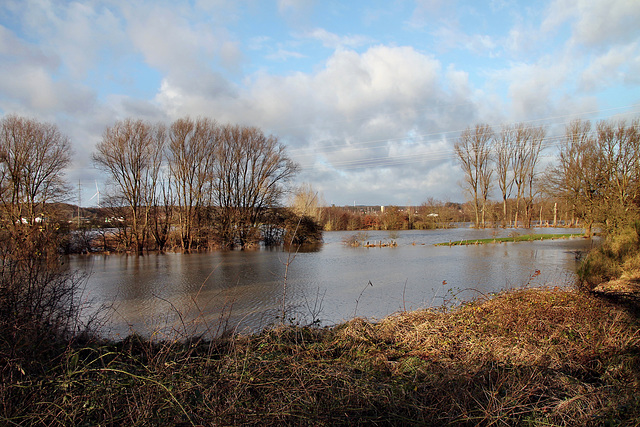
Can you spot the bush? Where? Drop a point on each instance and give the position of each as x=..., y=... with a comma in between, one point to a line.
x=302, y=230
x=620, y=254
x=39, y=300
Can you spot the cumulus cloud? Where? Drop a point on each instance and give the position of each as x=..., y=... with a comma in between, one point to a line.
x=75, y=31
x=596, y=23
x=377, y=110
x=28, y=83
x=621, y=64
x=371, y=116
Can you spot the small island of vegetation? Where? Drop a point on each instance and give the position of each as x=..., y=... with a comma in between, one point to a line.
x=512, y=239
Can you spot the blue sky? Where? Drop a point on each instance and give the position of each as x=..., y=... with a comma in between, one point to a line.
x=369, y=96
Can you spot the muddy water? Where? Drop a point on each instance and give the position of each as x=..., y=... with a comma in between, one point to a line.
x=207, y=292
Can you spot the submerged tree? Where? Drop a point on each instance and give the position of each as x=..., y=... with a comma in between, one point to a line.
x=249, y=175
x=505, y=148
x=131, y=153
x=192, y=152
x=527, y=147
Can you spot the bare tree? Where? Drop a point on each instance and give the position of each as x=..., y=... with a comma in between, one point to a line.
x=161, y=211
x=576, y=178
x=33, y=156
x=250, y=172
x=527, y=147
x=505, y=150
x=619, y=169
x=192, y=152
x=305, y=201
x=131, y=152
x=474, y=153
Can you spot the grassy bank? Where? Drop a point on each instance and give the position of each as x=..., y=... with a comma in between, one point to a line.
x=523, y=238
x=527, y=357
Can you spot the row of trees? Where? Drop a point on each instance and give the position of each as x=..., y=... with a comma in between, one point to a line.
x=511, y=156
x=214, y=183
x=218, y=185
x=208, y=183
x=597, y=173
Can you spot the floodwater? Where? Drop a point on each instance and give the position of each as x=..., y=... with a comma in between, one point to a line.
x=167, y=294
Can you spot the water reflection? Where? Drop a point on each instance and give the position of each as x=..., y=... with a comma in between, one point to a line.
x=201, y=291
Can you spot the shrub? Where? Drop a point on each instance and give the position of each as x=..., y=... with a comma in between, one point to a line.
x=618, y=255
x=39, y=300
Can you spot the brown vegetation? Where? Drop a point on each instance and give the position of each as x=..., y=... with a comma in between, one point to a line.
x=535, y=356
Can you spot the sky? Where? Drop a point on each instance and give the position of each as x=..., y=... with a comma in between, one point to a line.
x=368, y=96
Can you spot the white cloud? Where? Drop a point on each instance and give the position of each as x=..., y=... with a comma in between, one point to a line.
x=621, y=64
x=596, y=23
x=363, y=116
x=532, y=88
x=75, y=31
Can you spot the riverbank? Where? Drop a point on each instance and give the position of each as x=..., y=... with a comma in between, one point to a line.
x=531, y=356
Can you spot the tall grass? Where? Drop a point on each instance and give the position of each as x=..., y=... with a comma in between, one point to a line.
x=527, y=357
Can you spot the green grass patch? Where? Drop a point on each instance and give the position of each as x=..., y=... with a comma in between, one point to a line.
x=522, y=238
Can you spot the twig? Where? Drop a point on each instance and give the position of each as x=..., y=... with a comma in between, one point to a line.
x=360, y=296
x=290, y=259
x=404, y=306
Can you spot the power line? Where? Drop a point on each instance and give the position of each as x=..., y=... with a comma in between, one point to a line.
x=438, y=155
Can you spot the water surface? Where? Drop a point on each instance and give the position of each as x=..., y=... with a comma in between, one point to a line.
x=205, y=292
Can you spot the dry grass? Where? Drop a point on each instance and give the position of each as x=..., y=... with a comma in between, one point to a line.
x=528, y=357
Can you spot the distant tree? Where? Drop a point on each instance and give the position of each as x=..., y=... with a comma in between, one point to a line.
x=301, y=230
x=305, y=201
x=473, y=150
x=131, y=153
x=33, y=156
x=394, y=218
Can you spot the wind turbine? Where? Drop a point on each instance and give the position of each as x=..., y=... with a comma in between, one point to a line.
x=97, y=195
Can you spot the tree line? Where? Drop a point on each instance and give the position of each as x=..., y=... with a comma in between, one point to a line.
x=596, y=176
x=197, y=184
x=209, y=184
